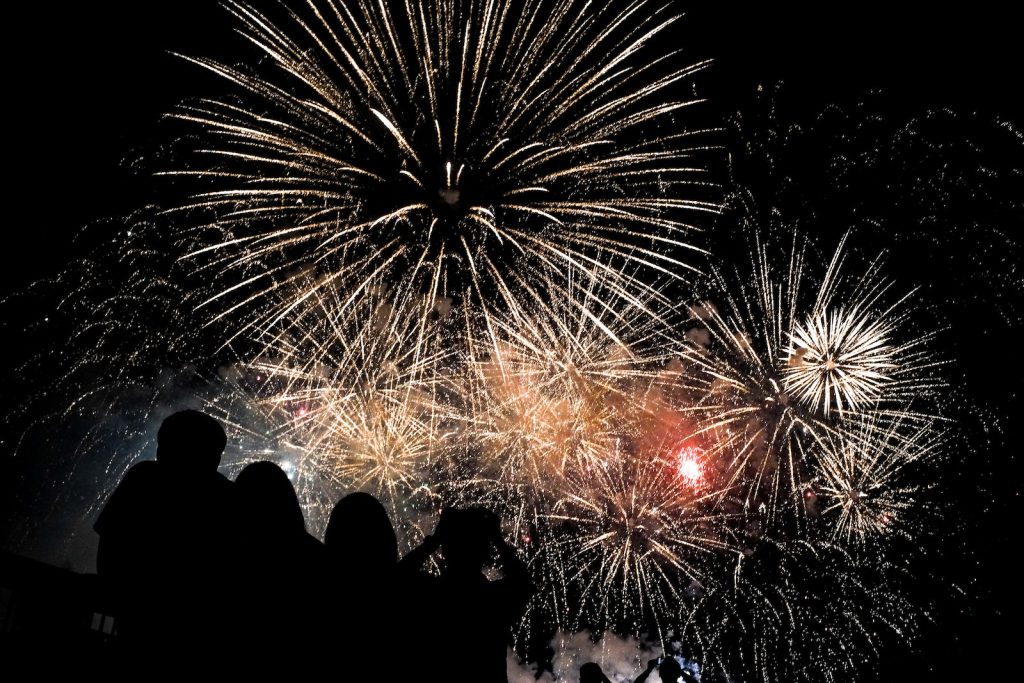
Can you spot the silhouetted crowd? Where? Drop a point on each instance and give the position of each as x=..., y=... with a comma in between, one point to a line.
x=209, y=576
x=206, y=574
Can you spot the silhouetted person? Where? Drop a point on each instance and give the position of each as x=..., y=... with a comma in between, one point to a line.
x=591, y=673
x=280, y=575
x=669, y=670
x=360, y=539
x=164, y=543
x=362, y=552
x=467, y=618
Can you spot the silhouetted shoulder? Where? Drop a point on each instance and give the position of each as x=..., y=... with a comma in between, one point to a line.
x=311, y=546
x=512, y=593
x=137, y=488
x=220, y=483
x=591, y=673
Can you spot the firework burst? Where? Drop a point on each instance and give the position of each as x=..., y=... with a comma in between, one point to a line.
x=633, y=539
x=357, y=398
x=777, y=371
x=864, y=482
x=845, y=357
x=450, y=148
x=557, y=385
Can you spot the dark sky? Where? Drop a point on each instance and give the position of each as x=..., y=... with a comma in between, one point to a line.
x=88, y=82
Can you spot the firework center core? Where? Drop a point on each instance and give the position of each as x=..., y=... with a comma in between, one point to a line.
x=450, y=192
x=450, y=196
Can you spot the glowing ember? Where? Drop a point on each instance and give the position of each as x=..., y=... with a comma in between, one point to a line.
x=689, y=465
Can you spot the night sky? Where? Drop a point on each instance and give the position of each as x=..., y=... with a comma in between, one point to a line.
x=89, y=82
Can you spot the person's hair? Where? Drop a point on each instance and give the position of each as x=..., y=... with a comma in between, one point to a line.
x=191, y=439
x=670, y=665
x=361, y=529
x=268, y=499
x=591, y=673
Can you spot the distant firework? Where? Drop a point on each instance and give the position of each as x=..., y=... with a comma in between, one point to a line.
x=557, y=385
x=866, y=487
x=357, y=395
x=770, y=388
x=628, y=537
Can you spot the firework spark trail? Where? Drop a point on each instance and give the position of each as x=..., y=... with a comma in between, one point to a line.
x=863, y=479
x=799, y=609
x=557, y=384
x=631, y=537
x=447, y=147
x=365, y=392
x=769, y=385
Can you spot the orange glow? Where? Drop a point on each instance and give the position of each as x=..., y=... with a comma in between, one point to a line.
x=689, y=464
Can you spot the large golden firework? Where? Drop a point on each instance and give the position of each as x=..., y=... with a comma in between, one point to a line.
x=446, y=147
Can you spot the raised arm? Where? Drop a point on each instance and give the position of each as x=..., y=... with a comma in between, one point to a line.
x=417, y=557
x=511, y=566
x=651, y=666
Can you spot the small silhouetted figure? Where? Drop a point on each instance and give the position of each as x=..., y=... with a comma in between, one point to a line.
x=281, y=568
x=467, y=618
x=362, y=552
x=669, y=670
x=591, y=673
x=164, y=545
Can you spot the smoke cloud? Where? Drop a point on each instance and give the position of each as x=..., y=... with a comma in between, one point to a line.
x=621, y=658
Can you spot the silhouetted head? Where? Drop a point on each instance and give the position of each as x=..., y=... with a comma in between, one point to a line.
x=267, y=500
x=591, y=673
x=466, y=537
x=191, y=440
x=670, y=670
x=360, y=533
